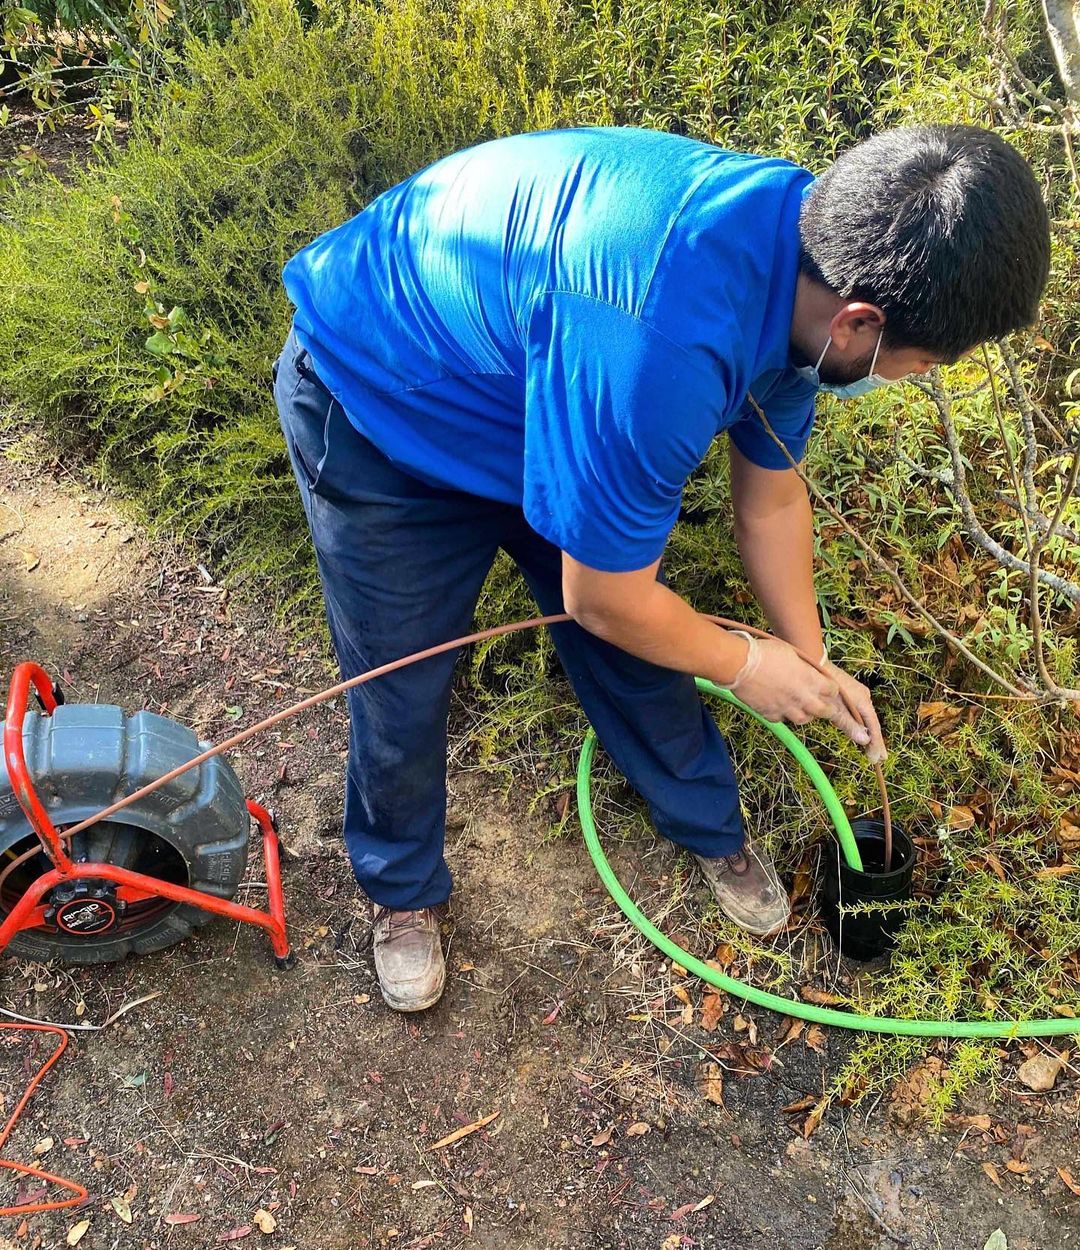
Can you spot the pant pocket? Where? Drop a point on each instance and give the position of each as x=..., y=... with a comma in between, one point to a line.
x=305, y=408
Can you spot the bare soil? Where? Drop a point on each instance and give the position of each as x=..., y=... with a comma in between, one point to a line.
x=242, y=1098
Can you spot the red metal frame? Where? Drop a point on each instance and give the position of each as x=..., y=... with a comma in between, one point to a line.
x=29, y=912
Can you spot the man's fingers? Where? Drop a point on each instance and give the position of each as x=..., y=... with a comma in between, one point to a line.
x=876, y=752
x=850, y=725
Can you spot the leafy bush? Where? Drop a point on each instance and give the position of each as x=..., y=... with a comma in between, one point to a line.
x=146, y=299
x=56, y=52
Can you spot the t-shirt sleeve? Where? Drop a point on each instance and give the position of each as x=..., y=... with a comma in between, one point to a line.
x=617, y=417
x=790, y=409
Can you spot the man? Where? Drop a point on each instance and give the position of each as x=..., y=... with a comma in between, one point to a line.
x=530, y=345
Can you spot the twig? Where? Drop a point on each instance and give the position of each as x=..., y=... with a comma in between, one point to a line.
x=1035, y=546
x=944, y=478
x=1028, y=409
x=1038, y=519
x=86, y=1028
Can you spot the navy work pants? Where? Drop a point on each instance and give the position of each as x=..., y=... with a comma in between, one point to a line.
x=402, y=565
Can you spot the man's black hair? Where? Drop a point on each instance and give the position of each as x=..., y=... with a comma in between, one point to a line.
x=942, y=227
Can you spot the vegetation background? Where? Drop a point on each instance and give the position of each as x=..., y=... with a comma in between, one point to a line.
x=141, y=311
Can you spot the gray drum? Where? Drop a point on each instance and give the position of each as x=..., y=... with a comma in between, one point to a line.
x=193, y=831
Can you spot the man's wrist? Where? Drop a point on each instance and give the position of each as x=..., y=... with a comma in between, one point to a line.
x=734, y=653
x=812, y=645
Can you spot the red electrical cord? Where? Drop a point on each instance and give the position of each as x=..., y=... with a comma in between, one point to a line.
x=79, y=1194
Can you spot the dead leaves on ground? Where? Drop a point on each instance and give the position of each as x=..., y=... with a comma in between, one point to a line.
x=940, y=719
x=710, y=1082
x=1067, y=1177
x=993, y=1173
x=807, y=1126
x=744, y=1057
x=690, y=1208
x=451, y=1138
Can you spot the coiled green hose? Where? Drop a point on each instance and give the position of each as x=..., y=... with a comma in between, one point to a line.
x=786, y=1006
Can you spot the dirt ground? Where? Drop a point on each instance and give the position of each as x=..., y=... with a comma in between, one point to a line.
x=292, y=1109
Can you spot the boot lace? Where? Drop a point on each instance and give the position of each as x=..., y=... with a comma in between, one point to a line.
x=398, y=923
x=737, y=864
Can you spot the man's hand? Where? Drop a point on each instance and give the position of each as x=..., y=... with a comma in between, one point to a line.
x=862, y=701
x=779, y=685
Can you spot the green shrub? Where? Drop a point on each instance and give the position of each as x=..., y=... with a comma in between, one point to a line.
x=141, y=308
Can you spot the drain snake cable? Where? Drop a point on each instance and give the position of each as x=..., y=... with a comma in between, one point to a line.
x=1059, y=1027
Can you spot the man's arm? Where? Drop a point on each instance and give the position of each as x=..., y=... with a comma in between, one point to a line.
x=634, y=612
x=638, y=614
x=774, y=529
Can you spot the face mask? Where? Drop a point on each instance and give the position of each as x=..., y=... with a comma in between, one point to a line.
x=842, y=390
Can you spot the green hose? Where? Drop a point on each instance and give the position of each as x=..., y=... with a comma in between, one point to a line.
x=787, y=1006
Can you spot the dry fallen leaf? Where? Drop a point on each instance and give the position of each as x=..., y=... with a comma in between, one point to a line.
x=188, y=1217
x=45, y=1144
x=712, y=1011
x=459, y=1133
x=815, y=1038
x=467, y=1218
x=710, y=1082
x=1068, y=834
x=31, y=561
x=122, y=1208
x=265, y=1222
x=603, y=1137
x=800, y=1104
x=790, y=1031
x=745, y=1024
x=994, y=1174
x=638, y=1129
x=690, y=1207
x=813, y=1121
x=1067, y=1177
x=961, y=818
x=78, y=1231
x=995, y=866
x=938, y=719
x=981, y=1122
x=823, y=997
x=235, y=1234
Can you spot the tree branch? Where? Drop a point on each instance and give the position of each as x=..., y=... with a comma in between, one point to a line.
x=960, y=494
x=890, y=570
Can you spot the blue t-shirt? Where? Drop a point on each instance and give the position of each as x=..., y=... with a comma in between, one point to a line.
x=564, y=320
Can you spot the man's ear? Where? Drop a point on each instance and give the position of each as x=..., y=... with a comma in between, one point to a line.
x=852, y=317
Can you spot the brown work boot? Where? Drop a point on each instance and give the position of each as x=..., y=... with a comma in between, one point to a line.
x=409, y=957
x=747, y=888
